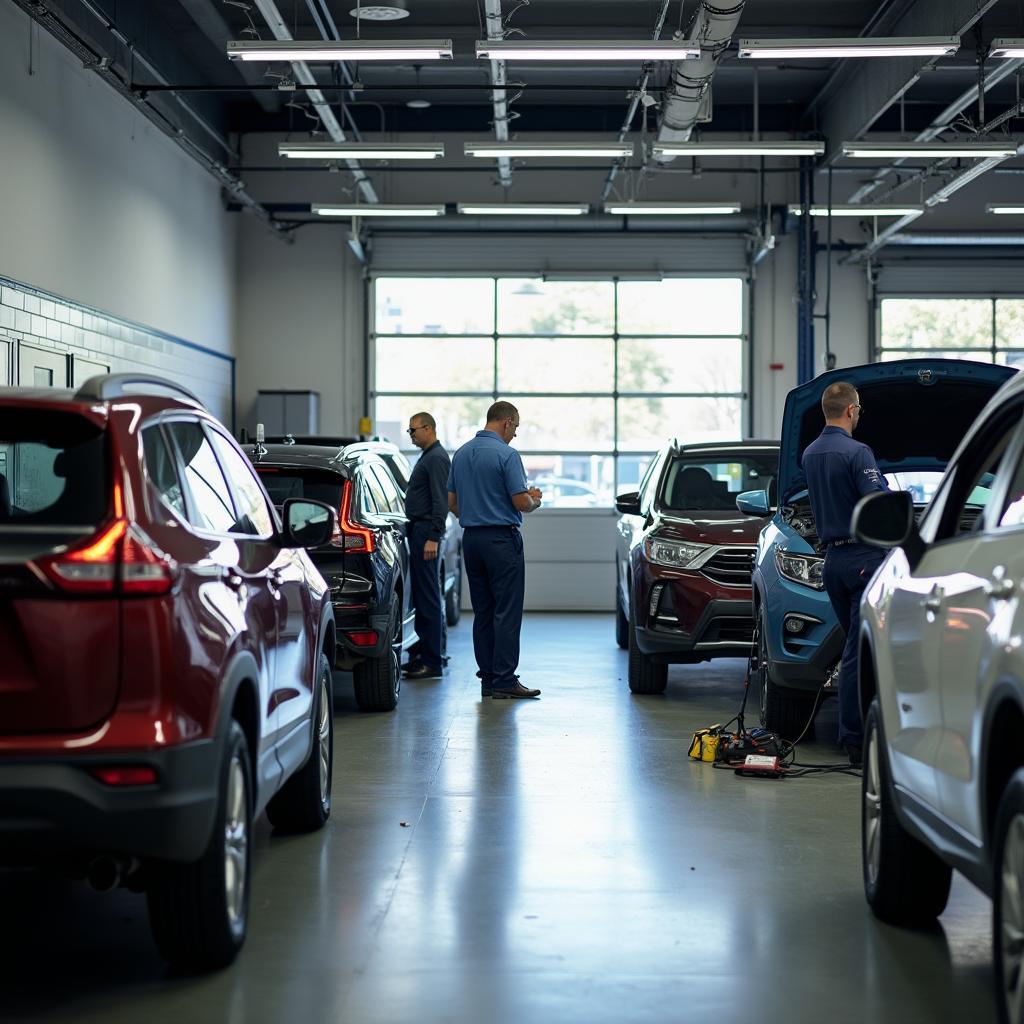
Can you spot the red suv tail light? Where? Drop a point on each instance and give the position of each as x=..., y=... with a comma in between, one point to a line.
x=349, y=535
x=115, y=561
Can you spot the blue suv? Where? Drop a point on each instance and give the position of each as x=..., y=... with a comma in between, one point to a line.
x=915, y=413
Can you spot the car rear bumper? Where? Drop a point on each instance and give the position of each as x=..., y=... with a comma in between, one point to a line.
x=53, y=806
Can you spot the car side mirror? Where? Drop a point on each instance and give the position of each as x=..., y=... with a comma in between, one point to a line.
x=629, y=503
x=885, y=519
x=754, y=503
x=307, y=524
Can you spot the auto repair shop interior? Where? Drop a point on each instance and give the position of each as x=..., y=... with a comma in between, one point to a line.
x=244, y=244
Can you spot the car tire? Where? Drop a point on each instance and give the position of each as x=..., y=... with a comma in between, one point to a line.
x=377, y=681
x=453, y=599
x=1008, y=900
x=621, y=623
x=645, y=676
x=303, y=804
x=905, y=883
x=783, y=711
x=199, y=912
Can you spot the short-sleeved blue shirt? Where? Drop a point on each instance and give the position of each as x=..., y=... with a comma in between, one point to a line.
x=485, y=474
x=839, y=471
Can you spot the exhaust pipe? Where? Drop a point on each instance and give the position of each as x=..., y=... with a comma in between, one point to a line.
x=106, y=873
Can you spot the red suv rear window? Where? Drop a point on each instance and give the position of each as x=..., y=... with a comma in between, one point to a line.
x=53, y=469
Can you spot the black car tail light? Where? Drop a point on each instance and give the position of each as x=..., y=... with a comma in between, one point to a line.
x=349, y=534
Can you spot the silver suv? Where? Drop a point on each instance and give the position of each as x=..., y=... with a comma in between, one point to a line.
x=942, y=690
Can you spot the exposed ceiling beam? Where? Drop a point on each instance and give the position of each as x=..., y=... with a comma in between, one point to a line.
x=496, y=31
x=869, y=88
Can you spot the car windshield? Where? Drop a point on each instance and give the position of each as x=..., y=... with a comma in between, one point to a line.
x=283, y=483
x=53, y=469
x=923, y=484
x=701, y=484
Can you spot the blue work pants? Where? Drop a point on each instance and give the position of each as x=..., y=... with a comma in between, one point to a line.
x=426, y=597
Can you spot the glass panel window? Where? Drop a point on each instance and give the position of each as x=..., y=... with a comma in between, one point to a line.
x=534, y=306
x=435, y=364
x=1010, y=323
x=253, y=514
x=565, y=424
x=632, y=470
x=434, y=305
x=693, y=483
x=681, y=306
x=389, y=490
x=555, y=364
x=678, y=364
x=1010, y=359
x=646, y=423
x=975, y=355
x=458, y=418
x=162, y=473
x=947, y=324
x=210, y=508
x=572, y=481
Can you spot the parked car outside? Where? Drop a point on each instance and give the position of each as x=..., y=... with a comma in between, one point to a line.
x=561, y=492
x=942, y=690
x=165, y=645
x=914, y=413
x=684, y=557
x=365, y=563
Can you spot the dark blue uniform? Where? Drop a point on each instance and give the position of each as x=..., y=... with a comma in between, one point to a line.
x=426, y=505
x=840, y=471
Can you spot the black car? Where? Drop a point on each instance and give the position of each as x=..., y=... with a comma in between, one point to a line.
x=366, y=562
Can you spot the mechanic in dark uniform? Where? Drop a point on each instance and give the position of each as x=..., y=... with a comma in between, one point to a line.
x=426, y=505
x=840, y=471
x=487, y=490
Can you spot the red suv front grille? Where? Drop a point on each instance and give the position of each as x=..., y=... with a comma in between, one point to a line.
x=732, y=566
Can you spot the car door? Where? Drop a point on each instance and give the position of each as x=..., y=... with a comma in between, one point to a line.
x=393, y=512
x=630, y=528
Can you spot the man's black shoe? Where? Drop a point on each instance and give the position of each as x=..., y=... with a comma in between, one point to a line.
x=517, y=692
x=422, y=671
x=855, y=754
x=486, y=691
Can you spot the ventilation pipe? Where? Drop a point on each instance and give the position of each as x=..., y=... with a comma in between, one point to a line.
x=688, y=96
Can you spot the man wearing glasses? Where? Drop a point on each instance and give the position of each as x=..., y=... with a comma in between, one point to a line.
x=426, y=505
x=840, y=471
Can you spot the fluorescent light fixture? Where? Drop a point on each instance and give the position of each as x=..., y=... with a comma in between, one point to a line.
x=670, y=209
x=894, y=46
x=739, y=148
x=524, y=209
x=859, y=210
x=936, y=150
x=376, y=210
x=569, y=150
x=361, y=150
x=350, y=49
x=1006, y=48
x=580, y=49
x=1007, y=209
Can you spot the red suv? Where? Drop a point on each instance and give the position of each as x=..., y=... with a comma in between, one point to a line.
x=685, y=557
x=165, y=644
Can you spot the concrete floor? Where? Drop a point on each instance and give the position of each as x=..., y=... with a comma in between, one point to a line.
x=562, y=861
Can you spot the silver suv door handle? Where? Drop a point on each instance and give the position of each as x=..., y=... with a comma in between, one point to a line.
x=1000, y=590
x=933, y=602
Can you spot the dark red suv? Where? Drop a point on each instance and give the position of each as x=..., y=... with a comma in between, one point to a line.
x=164, y=642
x=685, y=557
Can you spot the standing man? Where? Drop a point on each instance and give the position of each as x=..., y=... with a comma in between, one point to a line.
x=487, y=490
x=426, y=505
x=840, y=471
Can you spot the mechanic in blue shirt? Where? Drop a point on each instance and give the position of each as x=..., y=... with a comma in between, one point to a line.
x=426, y=505
x=839, y=472
x=487, y=490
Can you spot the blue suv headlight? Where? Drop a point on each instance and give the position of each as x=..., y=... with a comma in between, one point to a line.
x=675, y=553
x=805, y=569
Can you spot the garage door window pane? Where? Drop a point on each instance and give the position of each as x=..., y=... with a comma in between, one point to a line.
x=1015, y=359
x=977, y=356
x=535, y=306
x=458, y=418
x=572, y=481
x=565, y=424
x=936, y=323
x=681, y=306
x=435, y=305
x=647, y=423
x=678, y=364
x=1010, y=323
x=435, y=364
x=555, y=364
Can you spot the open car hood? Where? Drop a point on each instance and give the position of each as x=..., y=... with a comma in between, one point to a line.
x=916, y=412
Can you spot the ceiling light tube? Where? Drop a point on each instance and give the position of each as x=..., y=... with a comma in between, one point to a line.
x=566, y=150
x=739, y=148
x=376, y=210
x=1005, y=209
x=524, y=209
x=361, y=150
x=936, y=150
x=350, y=49
x=894, y=46
x=1002, y=48
x=670, y=209
x=579, y=49
x=859, y=210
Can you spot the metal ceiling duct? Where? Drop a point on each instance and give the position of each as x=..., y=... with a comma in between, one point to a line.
x=688, y=94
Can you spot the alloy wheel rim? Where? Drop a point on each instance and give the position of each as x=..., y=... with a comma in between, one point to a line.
x=872, y=809
x=396, y=652
x=324, y=732
x=236, y=843
x=1011, y=913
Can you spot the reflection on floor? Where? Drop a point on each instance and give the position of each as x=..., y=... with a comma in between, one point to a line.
x=560, y=860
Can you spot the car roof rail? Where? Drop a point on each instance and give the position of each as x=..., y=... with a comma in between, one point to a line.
x=106, y=386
